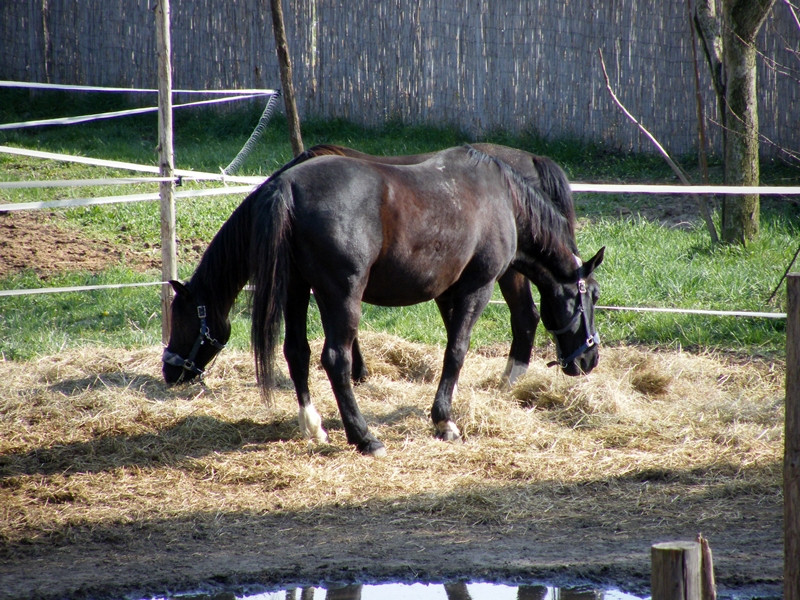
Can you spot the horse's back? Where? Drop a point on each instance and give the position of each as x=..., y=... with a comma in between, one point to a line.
x=540, y=171
x=405, y=233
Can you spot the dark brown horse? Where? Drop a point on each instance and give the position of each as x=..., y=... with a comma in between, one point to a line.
x=540, y=172
x=353, y=231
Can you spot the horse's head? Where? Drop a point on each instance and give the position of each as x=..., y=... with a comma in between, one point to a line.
x=568, y=314
x=196, y=336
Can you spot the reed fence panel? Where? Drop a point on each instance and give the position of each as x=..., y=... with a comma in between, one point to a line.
x=518, y=65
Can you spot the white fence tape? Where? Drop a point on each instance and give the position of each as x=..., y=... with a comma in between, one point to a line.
x=151, y=197
x=114, y=164
x=89, y=88
x=77, y=288
x=687, y=311
x=684, y=189
x=576, y=187
x=684, y=311
x=50, y=183
x=117, y=113
x=698, y=311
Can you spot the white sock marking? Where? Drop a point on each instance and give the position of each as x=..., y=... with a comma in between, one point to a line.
x=311, y=424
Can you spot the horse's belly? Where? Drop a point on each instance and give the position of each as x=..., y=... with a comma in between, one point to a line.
x=402, y=284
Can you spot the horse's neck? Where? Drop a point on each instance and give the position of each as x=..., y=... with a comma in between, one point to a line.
x=543, y=264
x=225, y=266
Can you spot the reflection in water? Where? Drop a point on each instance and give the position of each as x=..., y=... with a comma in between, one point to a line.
x=447, y=591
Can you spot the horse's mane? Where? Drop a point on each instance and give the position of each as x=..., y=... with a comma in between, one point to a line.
x=225, y=264
x=224, y=267
x=555, y=184
x=548, y=225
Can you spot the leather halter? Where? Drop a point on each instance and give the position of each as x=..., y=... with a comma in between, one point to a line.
x=188, y=364
x=582, y=312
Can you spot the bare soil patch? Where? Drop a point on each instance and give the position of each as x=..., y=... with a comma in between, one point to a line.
x=112, y=485
x=45, y=243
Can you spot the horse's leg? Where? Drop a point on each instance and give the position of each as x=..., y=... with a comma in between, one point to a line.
x=460, y=313
x=297, y=354
x=516, y=290
x=360, y=372
x=341, y=313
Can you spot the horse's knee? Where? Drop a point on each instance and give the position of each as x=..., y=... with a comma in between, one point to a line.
x=337, y=364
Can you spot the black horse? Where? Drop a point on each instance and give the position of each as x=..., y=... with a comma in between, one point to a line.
x=352, y=230
x=540, y=172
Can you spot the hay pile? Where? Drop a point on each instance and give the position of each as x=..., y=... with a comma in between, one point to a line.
x=93, y=437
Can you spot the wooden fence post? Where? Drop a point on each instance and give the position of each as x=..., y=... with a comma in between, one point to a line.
x=169, y=268
x=676, y=571
x=791, y=455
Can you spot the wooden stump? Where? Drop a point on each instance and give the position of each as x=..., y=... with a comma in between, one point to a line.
x=791, y=461
x=676, y=571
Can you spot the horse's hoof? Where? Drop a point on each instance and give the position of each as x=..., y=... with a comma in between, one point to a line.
x=514, y=370
x=372, y=448
x=448, y=431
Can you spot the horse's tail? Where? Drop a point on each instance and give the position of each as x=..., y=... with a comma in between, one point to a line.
x=555, y=184
x=270, y=256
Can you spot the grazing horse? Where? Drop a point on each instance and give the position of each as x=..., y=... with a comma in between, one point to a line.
x=541, y=172
x=352, y=231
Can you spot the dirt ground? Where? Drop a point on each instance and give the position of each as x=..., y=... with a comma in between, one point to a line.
x=46, y=243
x=597, y=529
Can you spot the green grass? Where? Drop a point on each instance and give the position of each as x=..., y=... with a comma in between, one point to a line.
x=646, y=264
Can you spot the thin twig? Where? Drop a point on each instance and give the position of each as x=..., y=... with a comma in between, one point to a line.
x=676, y=169
x=785, y=273
x=794, y=14
x=701, y=127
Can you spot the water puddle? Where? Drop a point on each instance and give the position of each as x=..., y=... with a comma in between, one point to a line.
x=435, y=591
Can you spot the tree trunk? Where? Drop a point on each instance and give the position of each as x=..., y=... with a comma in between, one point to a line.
x=729, y=45
x=282, y=49
x=741, y=20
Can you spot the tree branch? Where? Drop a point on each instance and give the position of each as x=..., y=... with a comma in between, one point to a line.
x=708, y=26
x=676, y=169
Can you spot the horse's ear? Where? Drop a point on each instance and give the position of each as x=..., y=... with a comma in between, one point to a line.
x=179, y=288
x=590, y=265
